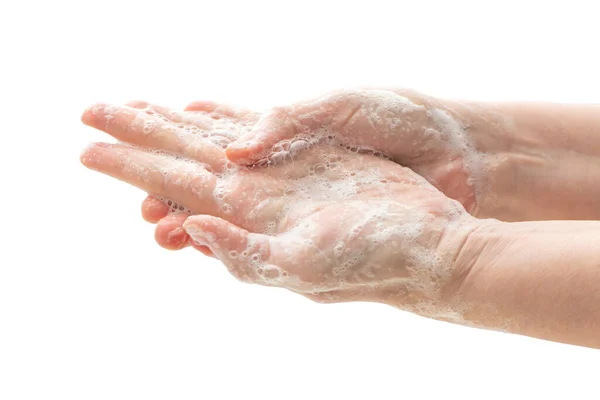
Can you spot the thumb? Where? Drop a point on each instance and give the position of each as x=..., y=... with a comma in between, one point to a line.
x=284, y=123
x=246, y=255
x=274, y=127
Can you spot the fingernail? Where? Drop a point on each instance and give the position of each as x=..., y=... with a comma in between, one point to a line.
x=243, y=145
x=239, y=160
x=237, y=155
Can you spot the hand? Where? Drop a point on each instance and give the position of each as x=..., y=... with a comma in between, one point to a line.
x=330, y=223
x=412, y=129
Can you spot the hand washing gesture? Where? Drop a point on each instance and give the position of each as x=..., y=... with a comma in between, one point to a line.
x=334, y=223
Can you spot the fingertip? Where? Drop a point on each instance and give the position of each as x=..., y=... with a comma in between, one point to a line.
x=93, y=114
x=243, y=151
x=153, y=210
x=87, y=116
x=89, y=155
x=237, y=154
x=97, y=156
x=85, y=155
x=169, y=232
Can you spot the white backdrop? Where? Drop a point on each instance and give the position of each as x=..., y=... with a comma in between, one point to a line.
x=92, y=308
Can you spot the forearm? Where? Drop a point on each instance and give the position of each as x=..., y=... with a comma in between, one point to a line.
x=541, y=161
x=540, y=279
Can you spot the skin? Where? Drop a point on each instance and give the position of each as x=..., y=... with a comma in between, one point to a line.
x=509, y=161
x=411, y=129
x=539, y=279
x=491, y=274
x=257, y=220
x=525, y=161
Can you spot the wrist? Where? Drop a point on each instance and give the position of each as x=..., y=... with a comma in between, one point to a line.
x=433, y=288
x=502, y=151
x=534, y=166
x=469, y=246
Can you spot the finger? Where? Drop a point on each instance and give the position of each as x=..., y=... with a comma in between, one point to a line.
x=201, y=121
x=153, y=209
x=169, y=234
x=228, y=123
x=283, y=124
x=279, y=126
x=245, y=254
x=170, y=114
x=186, y=182
x=216, y=128
x=276, y=126
x=200, y=114
x=217, y=110
x=202, y=106
x=137, y=104
x=137, y=127
x=217, y=134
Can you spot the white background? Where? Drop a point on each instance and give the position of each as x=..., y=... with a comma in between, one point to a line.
x=92, y=308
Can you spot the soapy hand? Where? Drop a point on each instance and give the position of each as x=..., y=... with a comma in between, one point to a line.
x=414, y=130
x=321, y=217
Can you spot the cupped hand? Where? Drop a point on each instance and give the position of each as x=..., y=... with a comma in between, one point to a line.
x=328, y=222
x=414, y=130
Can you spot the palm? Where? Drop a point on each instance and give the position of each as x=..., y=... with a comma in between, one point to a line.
x=319, y=177
x=326, y=212
x=349, y=205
